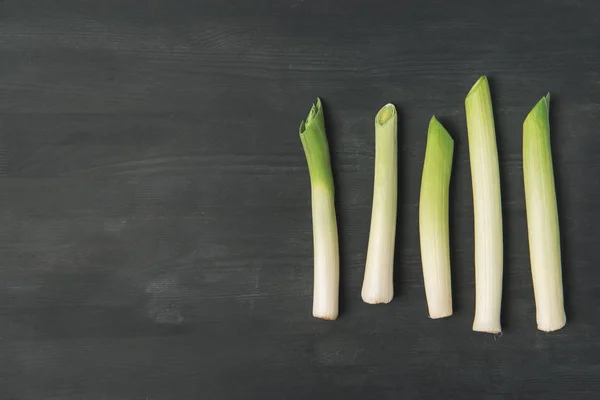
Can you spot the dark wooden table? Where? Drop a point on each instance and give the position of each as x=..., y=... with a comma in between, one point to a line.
x=155, y=233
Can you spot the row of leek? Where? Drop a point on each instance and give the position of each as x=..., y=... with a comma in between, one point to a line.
x=540, y=196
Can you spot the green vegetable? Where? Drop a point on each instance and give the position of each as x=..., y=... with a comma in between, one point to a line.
x=487, y=207
x=325, y=234
x=542, y=219
x=433, y=220
x=378, y=285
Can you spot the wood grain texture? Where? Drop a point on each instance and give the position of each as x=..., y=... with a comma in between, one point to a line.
x=155, y=237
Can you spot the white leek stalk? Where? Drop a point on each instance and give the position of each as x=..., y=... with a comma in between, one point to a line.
x=378, y=283
x=325, y=234
x=485, y=175
x=542, y=219
x=433, y=220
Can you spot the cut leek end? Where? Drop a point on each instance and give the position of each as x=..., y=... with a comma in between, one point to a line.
x=551, y=323
x=438, y=290
x=482, y=82
x=550, y=310
x=437, y=132
x=539, y=113
x=442, y=312
x=315, y=115
x=326, y=313
x=385, y=114
x=325, y=317
x=487, y=327
x=478, y=107
x=377, y=300
x=377, y=296
x=315, y=144
x=434, y=125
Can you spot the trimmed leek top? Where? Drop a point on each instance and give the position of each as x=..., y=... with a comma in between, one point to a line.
x=316, y=148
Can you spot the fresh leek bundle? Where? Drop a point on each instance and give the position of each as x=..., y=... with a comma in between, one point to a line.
x=485, y=175
x=433, y=220
x=325, y=234
x=542, y=219
x=378, y=283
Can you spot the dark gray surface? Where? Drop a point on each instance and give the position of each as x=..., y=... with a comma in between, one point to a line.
x=155, y=237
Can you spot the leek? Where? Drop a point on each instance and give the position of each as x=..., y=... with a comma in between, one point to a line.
x=433, y=220
x=325, y=235
x=485, y=175
x=378, y=285
x=542, y=219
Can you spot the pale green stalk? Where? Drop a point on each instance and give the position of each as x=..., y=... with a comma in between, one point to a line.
x=433, y=220
x=325, y=234
x=542, y=219
x=378, y=283
x=485, y=175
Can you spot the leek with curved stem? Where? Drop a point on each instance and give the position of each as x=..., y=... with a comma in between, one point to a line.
x=487, y=207
x=433, y=220
x=542, y=219
x=325, y=234
x=378, y=283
